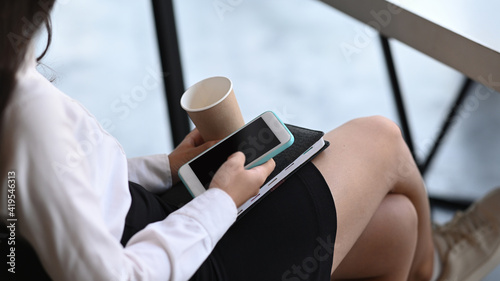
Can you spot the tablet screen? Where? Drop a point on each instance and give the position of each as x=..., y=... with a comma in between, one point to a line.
x=254, y=140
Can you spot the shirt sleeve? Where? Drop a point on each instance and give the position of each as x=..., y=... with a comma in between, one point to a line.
x=152, y=172
x=60, y=213
x=185, y=238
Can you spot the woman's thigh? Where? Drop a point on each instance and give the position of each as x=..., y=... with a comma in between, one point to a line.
x=359, y=168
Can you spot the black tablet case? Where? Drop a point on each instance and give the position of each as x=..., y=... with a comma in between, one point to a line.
x=304, y=139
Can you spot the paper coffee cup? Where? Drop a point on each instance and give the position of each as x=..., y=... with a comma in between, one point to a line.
x=212, y=106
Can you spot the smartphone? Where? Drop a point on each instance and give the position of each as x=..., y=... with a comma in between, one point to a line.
x=260, y=140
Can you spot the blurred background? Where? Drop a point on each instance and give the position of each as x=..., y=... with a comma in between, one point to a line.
x=287, y=56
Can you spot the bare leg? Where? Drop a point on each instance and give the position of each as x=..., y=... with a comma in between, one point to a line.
x=385, y=250
x=368, y=160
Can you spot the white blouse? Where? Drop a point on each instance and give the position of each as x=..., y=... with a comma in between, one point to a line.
x=71, y=194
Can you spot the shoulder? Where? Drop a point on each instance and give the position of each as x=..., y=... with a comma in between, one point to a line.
x=34, y=103
x=36, y=117
x=39, y=110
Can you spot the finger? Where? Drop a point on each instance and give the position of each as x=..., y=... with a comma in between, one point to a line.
x=209, y=144
x=272, y=164
x=192, y=138
x=238, y=157
x=196, y=137
x=199, y=149
x=266, y=168
x=269, y=165
x=187, y=140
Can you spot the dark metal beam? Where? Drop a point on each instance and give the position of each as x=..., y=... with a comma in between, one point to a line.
x=450, y=119
x=398, y=97
x=452, y=204
x=172, y=70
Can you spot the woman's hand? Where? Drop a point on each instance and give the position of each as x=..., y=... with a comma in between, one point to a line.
x=192, y=145
x=239, y=183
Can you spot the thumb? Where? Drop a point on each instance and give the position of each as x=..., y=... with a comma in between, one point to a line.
x=266, y=168
x=238, y=157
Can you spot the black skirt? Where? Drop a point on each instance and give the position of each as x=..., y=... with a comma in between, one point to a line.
x=288, y=235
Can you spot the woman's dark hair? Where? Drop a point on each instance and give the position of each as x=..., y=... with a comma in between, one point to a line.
x=19, y=22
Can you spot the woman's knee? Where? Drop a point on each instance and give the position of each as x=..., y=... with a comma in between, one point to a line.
x=402, y=214
x=387, y=245
x=377, y=127
x=378, y=139
x=401, y=218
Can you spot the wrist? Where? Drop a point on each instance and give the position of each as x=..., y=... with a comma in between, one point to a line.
x=227, y=195
x=173, y=170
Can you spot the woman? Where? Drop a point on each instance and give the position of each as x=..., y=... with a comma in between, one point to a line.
x=91, y=214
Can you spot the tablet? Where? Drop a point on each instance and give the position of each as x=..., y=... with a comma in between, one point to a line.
x=260, y=140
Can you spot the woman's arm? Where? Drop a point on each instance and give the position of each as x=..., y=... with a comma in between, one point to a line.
x=72, y=195
x=157, y=173
x=63, y=172
x=72, y=191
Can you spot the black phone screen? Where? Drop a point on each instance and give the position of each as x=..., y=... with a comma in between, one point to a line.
x=254, y=140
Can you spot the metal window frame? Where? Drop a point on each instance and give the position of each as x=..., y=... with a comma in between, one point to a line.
x=168, y=46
